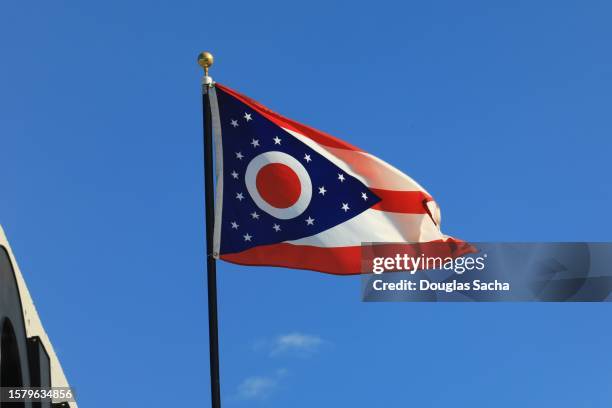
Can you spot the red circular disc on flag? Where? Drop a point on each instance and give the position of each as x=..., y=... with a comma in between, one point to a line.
x=278, y=185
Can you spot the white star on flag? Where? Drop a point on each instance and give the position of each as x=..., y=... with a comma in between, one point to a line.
x=255, y=142
x=235, y=123
x=234, y=174
x=307, y=158
x=239, y=155
x=345, y=207
x=277, y=140
x=310, y=221
x=255, y=215
x=322, y=190
x=247, y=116
x=341, y=177
x=239, y=196
x=276, y=227
x=247, y=237
x=364, y=196
x=235, y=225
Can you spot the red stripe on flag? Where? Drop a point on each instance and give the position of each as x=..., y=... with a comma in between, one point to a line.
x=338, y=260
x=405, y=202
x=312, y=133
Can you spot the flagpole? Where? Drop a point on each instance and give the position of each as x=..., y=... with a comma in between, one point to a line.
x=205, y=60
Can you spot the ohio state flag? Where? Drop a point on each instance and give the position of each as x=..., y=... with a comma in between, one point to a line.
x=289, y=195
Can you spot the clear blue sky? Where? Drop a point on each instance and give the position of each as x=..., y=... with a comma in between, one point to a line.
x=501, y=111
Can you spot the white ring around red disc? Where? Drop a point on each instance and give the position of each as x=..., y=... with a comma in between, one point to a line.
x=266, y=158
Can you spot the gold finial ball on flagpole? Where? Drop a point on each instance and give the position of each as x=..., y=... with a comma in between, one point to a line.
x=205, y=60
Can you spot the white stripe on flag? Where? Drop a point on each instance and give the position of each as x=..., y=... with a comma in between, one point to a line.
x=376, y=226
x=375, y=173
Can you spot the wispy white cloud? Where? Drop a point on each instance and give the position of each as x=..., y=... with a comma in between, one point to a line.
x=296, y=343
x=260, y=387
x=256, y=387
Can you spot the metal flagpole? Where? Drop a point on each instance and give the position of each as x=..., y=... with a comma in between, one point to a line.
x=205, y=60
